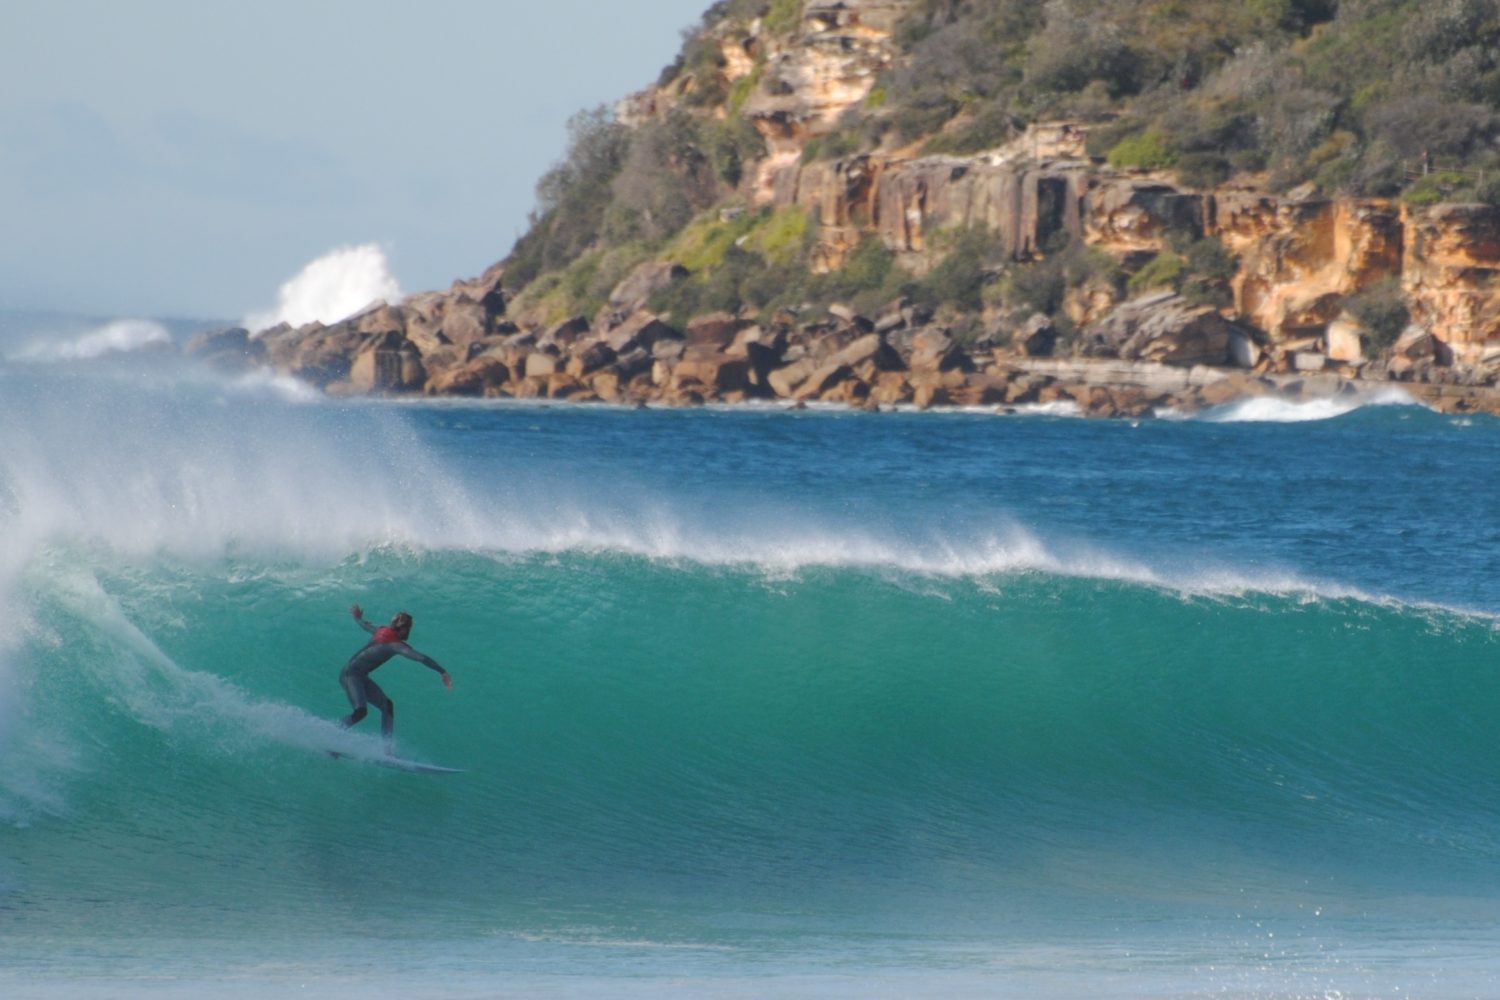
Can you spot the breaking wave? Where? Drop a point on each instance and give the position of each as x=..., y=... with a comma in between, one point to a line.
x=335, y=286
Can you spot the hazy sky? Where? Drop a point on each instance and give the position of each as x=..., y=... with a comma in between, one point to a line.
x=186, y=157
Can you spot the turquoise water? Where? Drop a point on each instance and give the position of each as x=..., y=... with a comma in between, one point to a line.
x=750, y=703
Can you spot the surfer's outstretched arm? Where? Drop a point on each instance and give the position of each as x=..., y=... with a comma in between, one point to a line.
x=359, y=616
x=422, y=658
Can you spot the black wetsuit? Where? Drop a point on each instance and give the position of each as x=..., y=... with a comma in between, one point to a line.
x=355, y=676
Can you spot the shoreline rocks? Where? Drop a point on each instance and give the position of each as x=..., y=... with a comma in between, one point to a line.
x=1152, y=354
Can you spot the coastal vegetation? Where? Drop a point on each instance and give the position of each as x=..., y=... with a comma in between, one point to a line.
x=1371, y=98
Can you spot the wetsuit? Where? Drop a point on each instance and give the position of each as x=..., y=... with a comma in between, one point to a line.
x=355, y=677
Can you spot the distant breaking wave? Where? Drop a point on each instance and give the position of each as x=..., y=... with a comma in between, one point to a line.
x=117, y=337
x=1270, y=409
x=333, y=287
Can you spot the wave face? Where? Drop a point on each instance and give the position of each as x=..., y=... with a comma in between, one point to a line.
x=731, y=681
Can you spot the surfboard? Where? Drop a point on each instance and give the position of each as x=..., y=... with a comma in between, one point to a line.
x=400, y=764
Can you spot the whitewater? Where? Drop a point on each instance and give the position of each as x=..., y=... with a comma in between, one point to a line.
x=751, y=702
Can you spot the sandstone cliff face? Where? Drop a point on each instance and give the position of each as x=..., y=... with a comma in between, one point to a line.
x=1452, y=277
x=1301, y=257
x=830, y=65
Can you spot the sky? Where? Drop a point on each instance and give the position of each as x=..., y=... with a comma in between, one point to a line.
x=186, y=158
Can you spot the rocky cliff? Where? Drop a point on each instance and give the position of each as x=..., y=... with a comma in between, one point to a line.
x=1289, y=318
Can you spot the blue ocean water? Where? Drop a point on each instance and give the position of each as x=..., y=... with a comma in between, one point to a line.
x=750, y=702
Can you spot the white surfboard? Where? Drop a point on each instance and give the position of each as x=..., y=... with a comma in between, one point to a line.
x=401, y=764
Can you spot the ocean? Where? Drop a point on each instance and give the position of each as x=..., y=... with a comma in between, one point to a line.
x=749, y=702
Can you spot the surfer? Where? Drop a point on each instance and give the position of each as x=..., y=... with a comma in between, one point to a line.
x=386, y=641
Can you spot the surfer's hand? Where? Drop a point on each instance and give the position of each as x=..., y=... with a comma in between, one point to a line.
x=357, y=611
x=447, y=681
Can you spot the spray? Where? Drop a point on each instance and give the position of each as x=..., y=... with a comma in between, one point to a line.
x=335, y=286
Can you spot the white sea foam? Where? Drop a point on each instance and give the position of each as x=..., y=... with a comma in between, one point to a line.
x=159, y=692
x=335, y=286
x=117, y=337
x=94, y=464
x=1270, y=409
x=265, y=472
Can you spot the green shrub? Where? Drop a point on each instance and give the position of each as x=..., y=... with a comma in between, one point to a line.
x=1434, y=188
x=1144, y=151
x=781, y=235
x=993, y=126
x=869, y=276
x=573, y=198
x=701, y=244
x=831, y=146
x=741, y=89
x=730, y=145
x=783, y=16
x=1042, y=285
x=959, y=277
x=1202, y=170
x=1164, y=271
x=1382, y=314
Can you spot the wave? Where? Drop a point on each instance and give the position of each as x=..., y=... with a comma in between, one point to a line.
x=116, y=337
x=331, y=288
x=1268, y=409
x=670, y=722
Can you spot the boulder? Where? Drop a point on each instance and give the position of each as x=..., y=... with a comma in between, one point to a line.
x=540, y=364
x=323, y=355
x=713, y=371
x=981, y=390
x=1343, y=340
x=590, y=357
x=1163, y=327
x=1244, y=352
x=716, y=330
x=928, y=393
x=561, y=385
x=848, y=317
x=1415, y=344
x=633, y=363
x=386, y=369
x=785, y=380
x=607, y=386
x=425, y=332
x=1309, y=361
x=641, y=329
x=1232, y=388
x=933, y=350
x=821, y=380
x=230, y=348
x=567, y=332
x=634, y=293
x=668, y=350
x=464, y=321
x=849, y=392
x=872, y=348
x=487, y=290
x=481, y=377
x=890, y=388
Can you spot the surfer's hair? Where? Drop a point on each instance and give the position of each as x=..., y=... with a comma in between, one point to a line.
x=401, y=622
